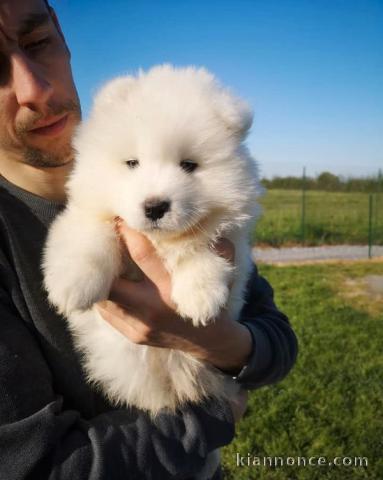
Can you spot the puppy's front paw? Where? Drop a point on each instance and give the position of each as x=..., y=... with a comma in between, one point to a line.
x=199, y=304
x=200, y=289
x=77, y=289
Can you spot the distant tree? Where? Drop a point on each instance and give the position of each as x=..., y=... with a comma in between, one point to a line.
x=328, y=181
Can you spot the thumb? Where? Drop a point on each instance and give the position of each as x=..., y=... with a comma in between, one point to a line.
x=143, y=253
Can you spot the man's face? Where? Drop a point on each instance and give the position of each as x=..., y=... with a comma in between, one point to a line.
x=39, y=106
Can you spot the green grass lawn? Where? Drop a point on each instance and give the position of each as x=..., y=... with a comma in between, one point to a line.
x=331, y=218
x=331, y=404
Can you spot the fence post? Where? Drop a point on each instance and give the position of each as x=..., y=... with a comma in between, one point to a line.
x=303, y=205
x=369, y=224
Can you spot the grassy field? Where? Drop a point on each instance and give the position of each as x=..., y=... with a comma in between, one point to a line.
x=331, y=403
x=331, y=218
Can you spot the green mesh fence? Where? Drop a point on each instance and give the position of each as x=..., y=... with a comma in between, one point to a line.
x=330, y=218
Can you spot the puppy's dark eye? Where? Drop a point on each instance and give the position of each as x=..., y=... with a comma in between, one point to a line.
x=188, y=165
x=132, y=163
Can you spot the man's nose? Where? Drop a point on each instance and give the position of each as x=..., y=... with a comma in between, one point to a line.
x=31, y=89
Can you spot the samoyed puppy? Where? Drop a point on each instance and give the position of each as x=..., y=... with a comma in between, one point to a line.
x=163, y=150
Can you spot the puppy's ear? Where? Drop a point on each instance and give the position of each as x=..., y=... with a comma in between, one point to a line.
x=235, y=112
x=114, y=92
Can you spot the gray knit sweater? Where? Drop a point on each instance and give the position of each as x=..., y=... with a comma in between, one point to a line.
x=53, y=425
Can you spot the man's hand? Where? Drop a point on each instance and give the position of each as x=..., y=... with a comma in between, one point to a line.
x=144, y=312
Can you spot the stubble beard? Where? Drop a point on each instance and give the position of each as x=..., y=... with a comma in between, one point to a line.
x=39, y=158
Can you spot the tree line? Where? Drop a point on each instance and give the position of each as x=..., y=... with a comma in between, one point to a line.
x=328, y=182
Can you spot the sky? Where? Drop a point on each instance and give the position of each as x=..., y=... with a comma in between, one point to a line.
x=312, y=70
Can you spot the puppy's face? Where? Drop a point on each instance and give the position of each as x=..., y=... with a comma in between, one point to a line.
x=164, y=155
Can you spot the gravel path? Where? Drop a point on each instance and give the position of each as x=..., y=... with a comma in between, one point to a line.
x=314, y=254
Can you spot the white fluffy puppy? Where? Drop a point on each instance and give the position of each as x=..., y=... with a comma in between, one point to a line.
x=164, y=151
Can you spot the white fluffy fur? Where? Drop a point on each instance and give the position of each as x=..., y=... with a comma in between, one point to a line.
x=160, y=118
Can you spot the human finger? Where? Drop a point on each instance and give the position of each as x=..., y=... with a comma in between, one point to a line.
x=114, y=314
x=144, y=254
x=130, y=294
x=122, y=320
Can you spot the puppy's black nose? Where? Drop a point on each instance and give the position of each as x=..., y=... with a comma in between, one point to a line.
x=156, y=209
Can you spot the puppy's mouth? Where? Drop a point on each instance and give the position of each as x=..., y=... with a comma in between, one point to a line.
x=191, y=224
x=163, y=227
x=189, y=229
x=155, y=226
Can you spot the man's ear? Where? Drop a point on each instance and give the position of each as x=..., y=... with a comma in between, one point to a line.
x=56, y=22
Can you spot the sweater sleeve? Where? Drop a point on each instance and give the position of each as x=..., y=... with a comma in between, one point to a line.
x=275, y=345
x=40, y=439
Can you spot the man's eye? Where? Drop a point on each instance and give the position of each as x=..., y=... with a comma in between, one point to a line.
x=37, y=45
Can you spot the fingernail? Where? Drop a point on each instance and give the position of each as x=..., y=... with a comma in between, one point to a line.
x=117, y=224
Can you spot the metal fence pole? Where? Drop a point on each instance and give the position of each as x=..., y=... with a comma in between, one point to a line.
x=303, y=205
x=369, y=224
